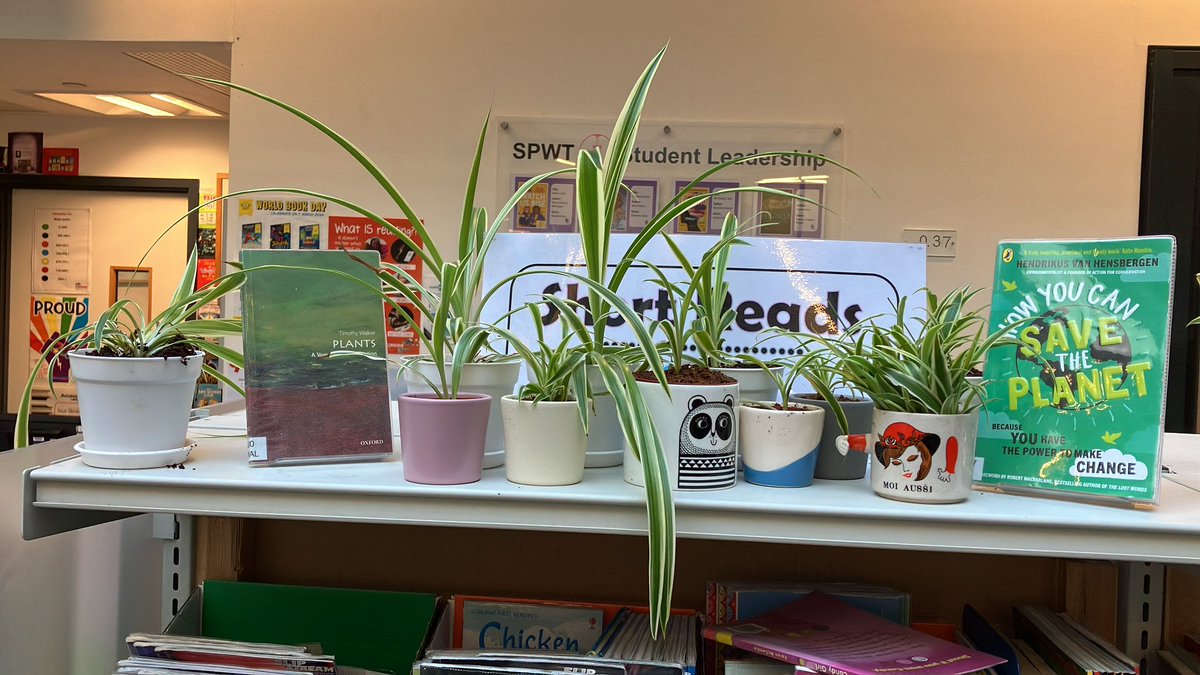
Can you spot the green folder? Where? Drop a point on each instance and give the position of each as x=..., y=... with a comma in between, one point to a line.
x=375, y=630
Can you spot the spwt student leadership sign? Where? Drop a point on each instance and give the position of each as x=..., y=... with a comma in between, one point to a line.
x=806, y=286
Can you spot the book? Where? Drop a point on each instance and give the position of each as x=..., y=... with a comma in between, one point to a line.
x=982, y=635
x=1179, y=660
x=173, y=651
x=626, y=638
x=827, y=635
x=728, y=601
x=1028, y=660
x=1069, y=648
x=489, y=623
x=304, y=402
x=496, y=662
x=1078, y=407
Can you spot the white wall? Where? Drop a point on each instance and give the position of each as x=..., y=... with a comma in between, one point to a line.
x=177, y=20
x=1013, y=119
x=131, y=147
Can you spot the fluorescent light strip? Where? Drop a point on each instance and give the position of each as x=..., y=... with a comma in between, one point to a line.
x=186, y=105
x=134, y=105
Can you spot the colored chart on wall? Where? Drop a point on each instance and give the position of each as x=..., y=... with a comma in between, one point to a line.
x=62, y=242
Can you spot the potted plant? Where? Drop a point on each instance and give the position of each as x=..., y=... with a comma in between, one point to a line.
x=780, y=441
x=552, y=405
x=926, y=410
x=856, y=408
x=696, y=413
x=136, y=376
x=715, y=314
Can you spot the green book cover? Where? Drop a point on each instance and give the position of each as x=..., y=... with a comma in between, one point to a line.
x=301, y=403
x=1078, y=407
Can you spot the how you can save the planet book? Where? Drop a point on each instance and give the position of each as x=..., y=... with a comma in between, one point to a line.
x=1076, y=404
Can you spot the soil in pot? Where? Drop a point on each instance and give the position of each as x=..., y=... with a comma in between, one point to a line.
x=688, y=374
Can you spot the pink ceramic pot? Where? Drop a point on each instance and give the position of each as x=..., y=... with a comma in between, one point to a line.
x=442, y=440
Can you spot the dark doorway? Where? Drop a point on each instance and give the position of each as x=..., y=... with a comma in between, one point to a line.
x=1170, y=204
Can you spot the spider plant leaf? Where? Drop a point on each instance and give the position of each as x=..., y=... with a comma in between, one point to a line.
x=372, y=169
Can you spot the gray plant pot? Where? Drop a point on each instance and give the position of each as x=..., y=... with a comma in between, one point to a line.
x=831, y=464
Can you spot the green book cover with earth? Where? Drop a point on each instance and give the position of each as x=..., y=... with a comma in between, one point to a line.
x=302, y=404
x=1078, y=407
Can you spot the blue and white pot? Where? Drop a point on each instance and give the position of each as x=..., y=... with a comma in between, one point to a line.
x=779, y=447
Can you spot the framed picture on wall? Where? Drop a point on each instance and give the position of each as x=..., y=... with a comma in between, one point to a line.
x=60, y=161
x=25, y=151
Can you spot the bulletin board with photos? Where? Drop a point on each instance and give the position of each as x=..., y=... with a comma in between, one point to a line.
x=665, y=161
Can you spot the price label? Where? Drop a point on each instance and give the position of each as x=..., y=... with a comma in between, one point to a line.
x=257, y=448
x=938, y=243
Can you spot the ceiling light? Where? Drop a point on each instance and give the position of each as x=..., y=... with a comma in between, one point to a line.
x=784, y=179
x=126, y=104
x=186, y=105
x=560, y=160
x=134, y=105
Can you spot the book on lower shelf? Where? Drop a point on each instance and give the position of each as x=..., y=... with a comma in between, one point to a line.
x=729, y=601
x=1068, y=647
x=826, y=635
x=304, y=403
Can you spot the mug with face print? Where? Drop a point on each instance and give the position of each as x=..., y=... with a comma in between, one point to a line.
x=917, y=457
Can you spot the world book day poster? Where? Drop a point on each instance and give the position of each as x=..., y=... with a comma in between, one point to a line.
x=1078, y=406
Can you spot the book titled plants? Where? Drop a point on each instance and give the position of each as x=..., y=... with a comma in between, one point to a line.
x=304, y=401
x=826, y=635
x=1078, y=406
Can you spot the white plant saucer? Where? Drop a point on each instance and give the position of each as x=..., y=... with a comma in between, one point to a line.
x=602, y=458
x=151, y=459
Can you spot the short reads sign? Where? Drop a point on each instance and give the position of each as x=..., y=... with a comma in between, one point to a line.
x=805, y=286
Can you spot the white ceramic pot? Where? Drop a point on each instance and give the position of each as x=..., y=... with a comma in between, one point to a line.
x=919, y=458
x=134, y=411
x=494, y=379
x=779, y=447
x=605, y=443
x=544, y=444
x=754, y=384
x=697, y=426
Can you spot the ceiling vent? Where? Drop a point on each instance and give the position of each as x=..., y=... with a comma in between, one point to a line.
x=187, y=63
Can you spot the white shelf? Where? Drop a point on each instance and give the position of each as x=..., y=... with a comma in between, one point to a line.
x=216, y=481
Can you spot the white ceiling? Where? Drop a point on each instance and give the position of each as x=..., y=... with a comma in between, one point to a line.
x=28, y=66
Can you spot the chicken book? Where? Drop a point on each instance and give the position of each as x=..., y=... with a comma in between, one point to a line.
x=305, y=402
x=826, y=635
x=1077, y=405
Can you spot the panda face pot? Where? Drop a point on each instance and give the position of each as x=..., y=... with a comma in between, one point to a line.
x=697, y=427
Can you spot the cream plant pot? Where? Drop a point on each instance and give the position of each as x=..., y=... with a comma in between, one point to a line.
x=779, y=447
x=134, y=411
x=697, y=426
x=605, y=443
x=493, y=379
x=544, y=443
x=754, y=384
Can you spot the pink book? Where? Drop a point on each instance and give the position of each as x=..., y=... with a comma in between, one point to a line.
x=827, y=635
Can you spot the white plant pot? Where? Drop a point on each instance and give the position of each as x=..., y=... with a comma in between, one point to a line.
x=754, y=384
x=697, y=426
x=494, y=379
x=605, y=442
x=134, y=411
x=544, y=443
x=919, y=458
x=779, y=447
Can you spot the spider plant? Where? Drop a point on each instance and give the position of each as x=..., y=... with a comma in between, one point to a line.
x=922, y=370
x=812, y=363
x=453, y=310
x=555, y=367
x=124, y=331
